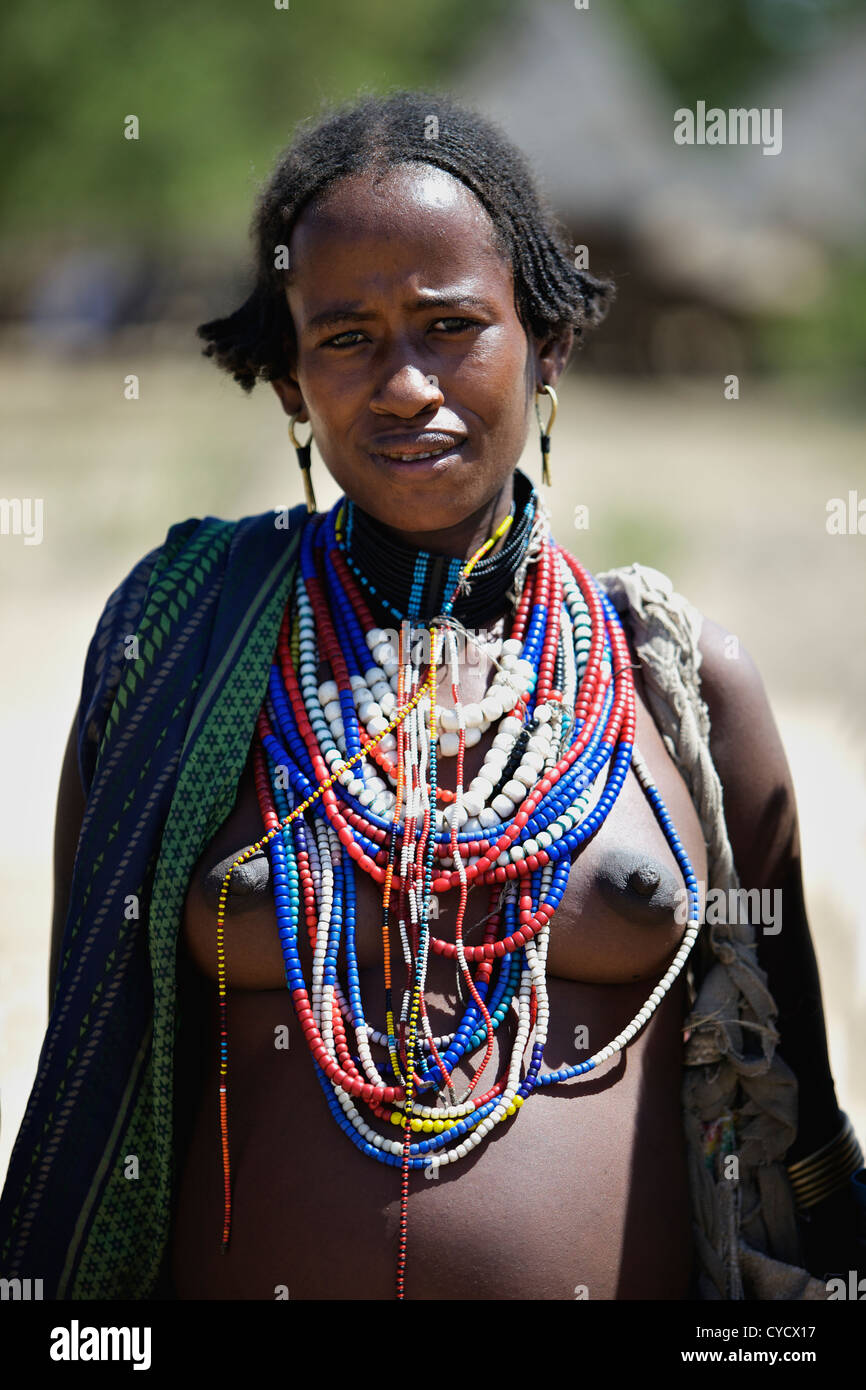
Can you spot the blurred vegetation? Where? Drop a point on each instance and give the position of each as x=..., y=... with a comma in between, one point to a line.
x=719, y=51
x=212, y=82
x=827, y=339
x=218, y=88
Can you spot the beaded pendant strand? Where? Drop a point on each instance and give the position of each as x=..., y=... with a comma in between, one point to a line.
x=347, y=781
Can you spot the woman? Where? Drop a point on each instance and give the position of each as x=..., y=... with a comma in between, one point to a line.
x=413, y=301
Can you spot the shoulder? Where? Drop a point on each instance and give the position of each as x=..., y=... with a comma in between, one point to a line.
x=747, y=749
x=210, y=537
x=188, y=568
x=666, y=629
x=733, y=689
x=731, y=683
x=729, y=680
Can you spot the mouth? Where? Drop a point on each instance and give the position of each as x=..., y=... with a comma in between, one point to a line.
x=413, y=451
x=414, y=458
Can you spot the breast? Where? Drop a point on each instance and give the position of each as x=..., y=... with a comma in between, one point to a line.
x=620, y=919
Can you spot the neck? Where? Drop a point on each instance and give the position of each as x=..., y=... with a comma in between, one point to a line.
x=412, y=575
x=463, y=539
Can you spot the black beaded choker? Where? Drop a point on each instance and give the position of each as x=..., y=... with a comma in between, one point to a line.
x=402, y=582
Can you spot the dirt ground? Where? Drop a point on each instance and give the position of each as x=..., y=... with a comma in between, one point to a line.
x=728, y=497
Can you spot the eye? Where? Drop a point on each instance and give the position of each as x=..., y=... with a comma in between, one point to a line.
x=459, y=324
x=451, y=325
x=338, y=339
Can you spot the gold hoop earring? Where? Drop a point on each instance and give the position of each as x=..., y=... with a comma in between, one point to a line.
x=545, y=433
x=305, y=460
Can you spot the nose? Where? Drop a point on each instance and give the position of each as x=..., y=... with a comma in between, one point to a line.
x=407, y=392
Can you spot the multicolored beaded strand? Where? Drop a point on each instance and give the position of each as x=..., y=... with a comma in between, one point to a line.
x=273, y=827
x=564, y=702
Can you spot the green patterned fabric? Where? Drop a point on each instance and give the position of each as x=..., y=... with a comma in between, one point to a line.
x=164, y=733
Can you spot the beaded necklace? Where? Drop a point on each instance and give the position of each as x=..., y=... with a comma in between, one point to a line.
x=409, y=583
x=359, y=751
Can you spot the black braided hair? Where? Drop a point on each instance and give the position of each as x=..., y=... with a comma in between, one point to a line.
x=376, y=132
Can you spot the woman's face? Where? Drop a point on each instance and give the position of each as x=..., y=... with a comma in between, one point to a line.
x=409, y=344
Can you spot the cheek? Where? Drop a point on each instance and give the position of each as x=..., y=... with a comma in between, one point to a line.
x=326, y=384
x=333, y=402
x=494, y=382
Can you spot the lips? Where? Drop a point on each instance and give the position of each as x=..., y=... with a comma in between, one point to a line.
x=415, y=448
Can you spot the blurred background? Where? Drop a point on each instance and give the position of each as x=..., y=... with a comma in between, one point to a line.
x=729, y=263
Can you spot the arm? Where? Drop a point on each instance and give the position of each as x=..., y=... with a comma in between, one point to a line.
x=761, y=814
x=102, y=671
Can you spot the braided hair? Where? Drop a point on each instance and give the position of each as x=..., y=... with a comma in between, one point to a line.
x=374, y=133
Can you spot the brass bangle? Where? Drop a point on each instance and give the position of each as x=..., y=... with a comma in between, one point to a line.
x=827, y=1170
x=841, y=1164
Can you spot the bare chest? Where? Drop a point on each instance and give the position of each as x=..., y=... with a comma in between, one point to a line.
x=587, y=1190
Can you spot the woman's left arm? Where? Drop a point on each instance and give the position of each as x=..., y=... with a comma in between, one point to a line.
x=761, y=814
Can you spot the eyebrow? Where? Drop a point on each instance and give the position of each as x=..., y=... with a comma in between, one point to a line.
x=352, y=313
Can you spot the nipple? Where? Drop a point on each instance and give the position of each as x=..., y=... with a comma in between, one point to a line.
x=249, y=879
x=638, y=885
x=644, y=879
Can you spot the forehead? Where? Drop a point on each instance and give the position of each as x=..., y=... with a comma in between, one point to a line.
x=410, y=221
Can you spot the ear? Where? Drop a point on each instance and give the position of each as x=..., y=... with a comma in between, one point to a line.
x=552, y=356
x=290, y=395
